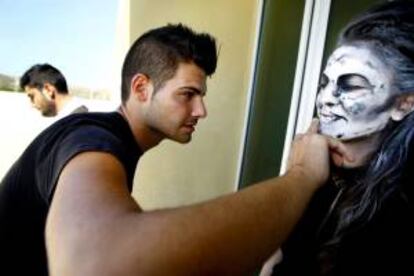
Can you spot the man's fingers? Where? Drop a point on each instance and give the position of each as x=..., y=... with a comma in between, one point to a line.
x=339, y=151
x=337, y=159
x=299, y=136
x=314, y=126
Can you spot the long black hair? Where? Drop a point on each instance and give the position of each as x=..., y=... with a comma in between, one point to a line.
x=388, y=30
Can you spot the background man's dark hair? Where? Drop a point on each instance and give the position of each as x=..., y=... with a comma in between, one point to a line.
x=40, y=74
x=158, y=52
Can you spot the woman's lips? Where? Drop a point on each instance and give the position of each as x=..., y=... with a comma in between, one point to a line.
x=330, y=117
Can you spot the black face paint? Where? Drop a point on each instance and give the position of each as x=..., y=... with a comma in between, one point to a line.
x=356, y=108
x=351, y=82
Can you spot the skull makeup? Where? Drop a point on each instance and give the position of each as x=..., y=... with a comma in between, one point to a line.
x=354, y=94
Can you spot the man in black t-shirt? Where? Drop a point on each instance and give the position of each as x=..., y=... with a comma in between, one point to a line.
x=66, y=207
x=27, y=190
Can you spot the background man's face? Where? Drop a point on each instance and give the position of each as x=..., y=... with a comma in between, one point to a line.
x=40, y=101
x=354, y=96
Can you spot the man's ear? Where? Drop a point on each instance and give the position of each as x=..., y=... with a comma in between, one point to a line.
x=141, y=87
x=49, y=91
x=404, y=105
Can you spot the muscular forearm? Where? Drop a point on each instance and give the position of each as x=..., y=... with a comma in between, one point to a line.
x=232, y=235
x=96, y=228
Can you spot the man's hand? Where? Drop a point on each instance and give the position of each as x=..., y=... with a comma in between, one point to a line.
x=310, y=154
x=338, y=152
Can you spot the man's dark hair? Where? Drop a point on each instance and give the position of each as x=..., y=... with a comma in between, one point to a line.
x=40, y=74
x=158, y=52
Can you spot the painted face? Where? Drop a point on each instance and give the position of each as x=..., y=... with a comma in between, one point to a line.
x=40, y=101
x=355, y=90
x=177, y=106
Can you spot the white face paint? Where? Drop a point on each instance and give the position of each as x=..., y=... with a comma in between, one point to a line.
x=353, y=95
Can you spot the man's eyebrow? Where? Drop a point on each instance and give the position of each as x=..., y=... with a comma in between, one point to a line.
x=193, y=89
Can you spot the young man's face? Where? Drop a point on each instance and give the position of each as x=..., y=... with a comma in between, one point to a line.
x=176, y=107
x=354, y=96
x=41, y=101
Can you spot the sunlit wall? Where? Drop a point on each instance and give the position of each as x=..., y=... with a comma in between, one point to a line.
x=174, y=174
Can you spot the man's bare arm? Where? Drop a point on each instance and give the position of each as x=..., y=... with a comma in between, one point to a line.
x=95, y=227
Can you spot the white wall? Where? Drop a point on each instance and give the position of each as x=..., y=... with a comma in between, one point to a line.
x=19, y=124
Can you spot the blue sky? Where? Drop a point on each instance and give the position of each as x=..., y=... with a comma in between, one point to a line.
x=76, y=36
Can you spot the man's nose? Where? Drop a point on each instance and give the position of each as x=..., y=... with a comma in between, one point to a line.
x=199, y=108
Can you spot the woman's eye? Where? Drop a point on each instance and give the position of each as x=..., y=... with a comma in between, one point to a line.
x=323, y=82
x=352, y=82
x=348, y=87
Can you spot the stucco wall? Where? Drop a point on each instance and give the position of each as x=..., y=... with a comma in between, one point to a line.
x=174, y=174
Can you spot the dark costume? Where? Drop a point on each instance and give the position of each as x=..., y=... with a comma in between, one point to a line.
x=381, y=246
x=27, y=189
x=363, y=224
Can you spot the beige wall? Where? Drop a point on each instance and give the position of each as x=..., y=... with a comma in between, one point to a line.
x=174, y=174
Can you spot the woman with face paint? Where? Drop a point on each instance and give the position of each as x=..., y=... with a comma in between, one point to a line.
x=362, y=223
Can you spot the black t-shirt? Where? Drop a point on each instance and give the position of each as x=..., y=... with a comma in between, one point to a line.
x=27, y=189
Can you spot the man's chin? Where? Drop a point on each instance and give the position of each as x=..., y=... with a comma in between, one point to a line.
x=184, y=139
x=48, y=114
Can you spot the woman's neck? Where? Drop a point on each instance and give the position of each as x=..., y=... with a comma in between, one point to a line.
x=362, y=149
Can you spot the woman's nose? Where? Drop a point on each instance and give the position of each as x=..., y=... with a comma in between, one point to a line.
x=328, y=96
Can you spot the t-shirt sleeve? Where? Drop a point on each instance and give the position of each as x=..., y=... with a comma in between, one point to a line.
x=87, y=138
